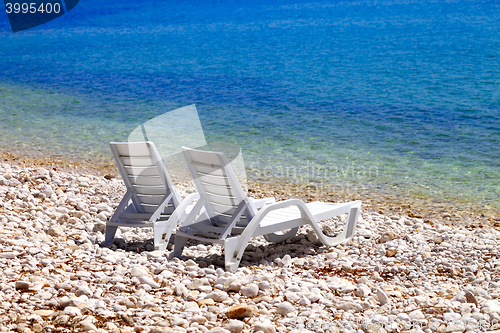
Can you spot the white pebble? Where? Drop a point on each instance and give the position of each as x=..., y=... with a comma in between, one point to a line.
x=285, y=308
x=251, y=290
x=382, y=297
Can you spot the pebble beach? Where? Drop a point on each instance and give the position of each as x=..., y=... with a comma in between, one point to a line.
x=398, y=274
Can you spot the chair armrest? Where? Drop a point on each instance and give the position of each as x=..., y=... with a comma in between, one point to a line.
x=259, y=203
x=185, y=203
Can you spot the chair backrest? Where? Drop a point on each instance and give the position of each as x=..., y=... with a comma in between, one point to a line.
x=217, y=185
x=144, y=175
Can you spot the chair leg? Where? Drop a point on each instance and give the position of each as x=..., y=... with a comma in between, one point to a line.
x=162, y=235
x=232, y=257
x=276, y=238
x=179, y=244
x=352, y=220
x=347, y=233
x=109, y=236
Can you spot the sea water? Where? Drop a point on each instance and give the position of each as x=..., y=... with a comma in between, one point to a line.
x=387, y=94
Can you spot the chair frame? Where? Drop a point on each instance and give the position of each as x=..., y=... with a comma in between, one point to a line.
x=131, y=212
x=235, y=237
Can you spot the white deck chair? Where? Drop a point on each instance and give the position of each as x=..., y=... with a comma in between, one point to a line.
x=151, y=198
x=233, y=219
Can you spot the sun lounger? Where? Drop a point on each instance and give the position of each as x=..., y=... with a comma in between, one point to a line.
x=151, y=198
x=232, y=219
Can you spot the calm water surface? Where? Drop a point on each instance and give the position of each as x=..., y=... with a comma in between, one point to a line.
x=384, y=94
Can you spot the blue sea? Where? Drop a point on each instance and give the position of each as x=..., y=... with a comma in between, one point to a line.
x=389, y=95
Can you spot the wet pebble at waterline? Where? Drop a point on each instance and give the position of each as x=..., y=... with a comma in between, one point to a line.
x=396, y=272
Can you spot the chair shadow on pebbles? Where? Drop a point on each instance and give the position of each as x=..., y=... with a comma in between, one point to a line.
x=139, y=246
x=260, y=252
x=256, y=253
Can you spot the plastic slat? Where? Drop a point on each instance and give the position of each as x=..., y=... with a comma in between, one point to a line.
x=142, y=189
x=150, y=199
x=136, y=161
x=133, y=149
x=202, y=157
x=142, y=170
x=214, y=170
x=152, y=208
x=214, y=181
x=139, y=216
x=224, y=209
x=223, y=190
x=222, y=200
x=146, y=180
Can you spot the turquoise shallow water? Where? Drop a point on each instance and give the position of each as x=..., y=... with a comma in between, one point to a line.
x=381, y=94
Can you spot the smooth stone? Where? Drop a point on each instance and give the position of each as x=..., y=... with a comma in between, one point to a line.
x=138, y=271
x=62, y=319
x=470, y=298
x=416, y=315
x=218, y=295
x=251, y=290
x=22, y=285
x=391, y=252
x=84, y=290
x=213, y=309
x=14, y=182
x=196, y=283
x=44, y=313
x=181, y=290
x=304, y=301
x=103, y=207
x=382, y=297
x=118, y=308
x=206, y=302
x=234, y=326
x=291, y=296
x=9, y=255
x=286, y=261
x=232, y=285
x=55, y=231
x=156, y=329
x=264, y=285
x=240, y=311
x=205, y=289
x=72, y=311
x=491, y=307
x=191, y=307
x=87, y=325
x=178, y=321
x=311, y=236
x=199, y=319
x=191, y=263
x=331, y=256
x=266, y=327
x=387, y=236
x=149, y=281
x=47, y=190
x=403, y=316
x=218, y=330
x=362, y=291
x=340, y=284
x=313, y=297
x=285, y=308
x=83, y=274
x=451, y=316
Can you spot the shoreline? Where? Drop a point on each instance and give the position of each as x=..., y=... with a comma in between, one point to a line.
x=391, y=203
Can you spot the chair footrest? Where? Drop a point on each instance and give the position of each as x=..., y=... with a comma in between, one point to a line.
x=135, y=224
x=198, y=238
